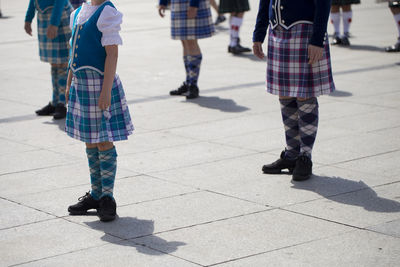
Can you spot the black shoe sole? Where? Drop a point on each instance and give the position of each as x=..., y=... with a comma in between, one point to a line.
x=107, y=218
x=277, y=171
x=300, y=178
x=80, y=212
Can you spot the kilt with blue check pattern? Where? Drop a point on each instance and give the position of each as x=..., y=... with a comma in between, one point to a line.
x=183, y=28
x=288, y=71
x=55, y=50
x=86, y=121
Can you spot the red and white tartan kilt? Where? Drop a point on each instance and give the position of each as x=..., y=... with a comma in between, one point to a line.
x=288, y=71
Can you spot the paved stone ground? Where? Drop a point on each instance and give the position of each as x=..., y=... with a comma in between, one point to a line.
x=190, y=189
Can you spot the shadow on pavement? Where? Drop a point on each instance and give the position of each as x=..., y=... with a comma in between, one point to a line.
x=123, y=227
x=214, y=102
x=59, y=123
x=348, y=192
x=250, y=56
x=338, y=93
x=371, y=48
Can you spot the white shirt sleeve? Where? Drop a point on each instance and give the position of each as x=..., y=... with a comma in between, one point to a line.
x=109, y=23
x=71, y=19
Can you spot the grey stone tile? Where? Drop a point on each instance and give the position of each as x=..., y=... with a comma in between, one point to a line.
x=46, y=239
x=13, y=214
x=117, y=254
x=171, y=213
x=357, y=248
x=388, y=228
x=363, y=208
x=244, y=236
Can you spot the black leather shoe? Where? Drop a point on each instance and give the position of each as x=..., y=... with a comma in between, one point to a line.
x=345, y=41
x=85, y=203
x=220, y=19
x=238, y=49
x=60, y=112
x=303, y=169
x=336, y=39
x=49, y=109
x=393, y=48
x=184, y=88
x=277, y=166
x=107, y=209
x=193, y=92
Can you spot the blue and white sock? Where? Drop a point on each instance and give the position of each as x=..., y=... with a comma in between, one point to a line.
x=108, y=170
x=290, y=118
x=61, y=83
x=95, y=176
x=194, y=63
x=308, y=124
x=54, y=81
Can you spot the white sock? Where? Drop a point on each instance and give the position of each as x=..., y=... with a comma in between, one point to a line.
x=397, y=19
x=347, y=18
x=335, y=20
x=235, y=27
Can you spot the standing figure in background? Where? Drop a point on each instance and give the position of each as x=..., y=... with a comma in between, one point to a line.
x=77, y=3
x=236, y=8
x=190, y=20
x=53, y=35
x=394, y=6
x=298, y=71
x=347, y=17
x=220, y=18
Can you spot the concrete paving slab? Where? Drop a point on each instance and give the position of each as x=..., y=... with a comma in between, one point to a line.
x=163, y=215
x=46, y=239
x=13, y=214
x=389, y=228
x=357, y=248
x=363, y=208
x=124, y=253
x=232, y=239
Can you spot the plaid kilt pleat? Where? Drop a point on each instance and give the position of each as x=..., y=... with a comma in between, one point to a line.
x=85, y=121
x=55, y=50
x=183, y=28
x=288, y=71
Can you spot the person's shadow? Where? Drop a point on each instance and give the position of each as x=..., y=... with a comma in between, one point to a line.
x=214, y=102
x=335, y=189
x=128, y=228
x=59, y=123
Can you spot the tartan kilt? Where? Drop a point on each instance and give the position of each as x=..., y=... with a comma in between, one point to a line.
x=85, y=121
x=55, y=50
x=345, y=2
x=230, y=6
x=288, y=71
x=183, y=28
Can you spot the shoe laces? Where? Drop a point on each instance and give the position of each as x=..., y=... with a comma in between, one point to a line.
x=82, y=198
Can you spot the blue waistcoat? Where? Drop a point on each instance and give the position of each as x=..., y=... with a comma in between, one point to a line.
x=87, y=51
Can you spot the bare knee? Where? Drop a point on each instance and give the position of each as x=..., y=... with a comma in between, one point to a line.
x=105, y=146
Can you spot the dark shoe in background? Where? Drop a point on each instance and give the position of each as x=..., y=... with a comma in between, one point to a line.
x=303, y=169
x=220, y=19
x=336, y=39
x=60, y=112
x=47, y=110
x=193, y=92
x=277, y=166
x=107, y=209
x=393, y=48
x=345, y=40
x=85, y=203
x=184, y=88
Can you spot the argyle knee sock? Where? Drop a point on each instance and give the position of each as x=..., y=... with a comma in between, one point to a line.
x=108, y=169
x=308, y=124
x=94, y=167
x=61, y=83
x=335, y=20
x=347, y=19
x=54, y=81
x=290, y=118
x=186, y=63
x=234, y=31
x=194, y=62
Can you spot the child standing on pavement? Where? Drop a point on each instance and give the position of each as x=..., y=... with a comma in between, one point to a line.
x=190, y=20
x=298, y=71
x=53, y=36
x=97, y=110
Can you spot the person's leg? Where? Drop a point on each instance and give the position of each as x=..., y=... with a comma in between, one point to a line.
x=335, y=20
x=396, y=15
x=194, y=62
x=60, y=83
x=108, y=169
x=290, y=118
x=91, y=199
x=347, y=16
x=236, y=21
x=308, y=126
x=184, y=87
x=214, y=5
